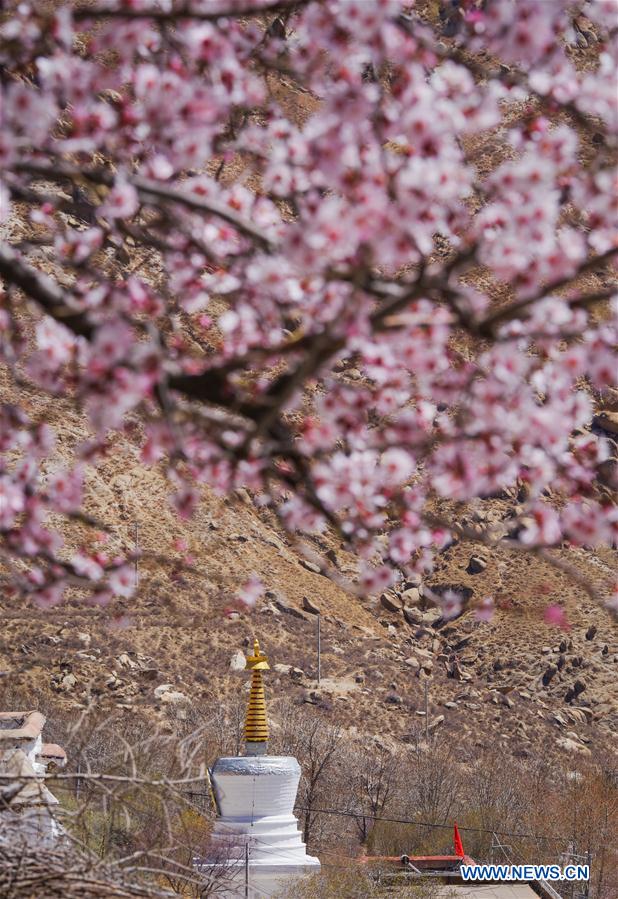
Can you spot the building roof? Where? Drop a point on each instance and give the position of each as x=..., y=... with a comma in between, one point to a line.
x=51, y=752
x=485, y=891
x=20, y=726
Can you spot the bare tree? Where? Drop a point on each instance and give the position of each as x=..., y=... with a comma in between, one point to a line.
x=435, y=781
x=316, y=745
x=373, y=783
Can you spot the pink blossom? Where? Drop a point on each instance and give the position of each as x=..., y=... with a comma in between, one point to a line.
x=86, y=566
x=77, y=246
x=484, y=611
x=121, y=623
x=185, y=500
x=542, y=528
x=450, y=603
x=375, y=579
x=55, y=342
x=12, y=501
x=555, y=616
x=122, y=202
x=251, y=590
x=50, y=596
x=65, y=489
x=121, y=580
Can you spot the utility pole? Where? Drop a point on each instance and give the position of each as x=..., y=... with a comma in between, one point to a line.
x=319, y=649
x=246, y=870
x=136, y=552
x=587, y=882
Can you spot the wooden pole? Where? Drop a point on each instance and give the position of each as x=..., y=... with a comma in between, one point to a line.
x=319, y=649
x=426, y=682
x=136, y=551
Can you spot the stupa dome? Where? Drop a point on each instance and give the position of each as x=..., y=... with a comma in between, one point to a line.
x=256, y=837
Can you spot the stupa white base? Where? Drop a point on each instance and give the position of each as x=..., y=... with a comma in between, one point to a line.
x=256, y=835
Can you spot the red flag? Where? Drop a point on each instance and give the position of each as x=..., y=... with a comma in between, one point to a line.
x=459, y=849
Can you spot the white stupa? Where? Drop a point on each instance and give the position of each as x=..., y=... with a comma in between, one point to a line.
x=256, y=836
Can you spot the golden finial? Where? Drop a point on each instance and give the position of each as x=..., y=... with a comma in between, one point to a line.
x=256, y=725
x=258, y=661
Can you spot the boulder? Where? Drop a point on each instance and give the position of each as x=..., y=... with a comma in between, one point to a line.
x=174, y=697
x=161, y=689
x=281, y=668
x=454, y=670
x=268, y=608
x=290, y=610
x=391, y=602
x=572, y=746
x=548, y=674
x=413, y=663
x=237, y=661
x=125, y=661
x=413, y=616
x=394, y=699
x=331, y=555
x=607, y=421
x=591, y=632
x=476, y=565
x=414, y=580
x=69, y=681
x=314, y=697
x=582, y=714
x=310, y=566
x=431, y=617
x=411, y=596
x=310, y=606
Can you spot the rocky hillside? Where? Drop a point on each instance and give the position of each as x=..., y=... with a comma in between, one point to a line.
x=513, y=680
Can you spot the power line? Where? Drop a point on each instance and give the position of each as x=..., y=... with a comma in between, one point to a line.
x=419, y=823
x=504, y=833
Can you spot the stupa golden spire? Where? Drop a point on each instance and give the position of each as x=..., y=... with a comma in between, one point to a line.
x=256, y=725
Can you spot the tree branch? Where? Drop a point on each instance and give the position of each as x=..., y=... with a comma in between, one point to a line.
x=43, y=290
x=147, y=187
x=487, y=327
x=187, y=11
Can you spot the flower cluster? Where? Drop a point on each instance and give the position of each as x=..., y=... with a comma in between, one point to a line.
x=280, y=248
